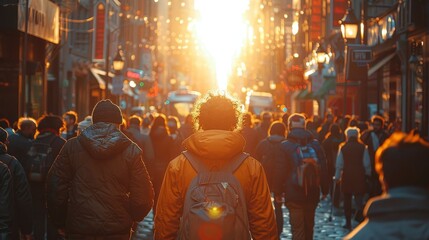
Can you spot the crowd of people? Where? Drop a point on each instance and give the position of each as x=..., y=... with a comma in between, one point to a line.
x=96, y=178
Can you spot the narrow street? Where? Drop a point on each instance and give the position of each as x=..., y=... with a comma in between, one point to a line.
x=324, y=229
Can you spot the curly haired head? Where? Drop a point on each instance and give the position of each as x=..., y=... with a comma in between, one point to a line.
x=217, y=110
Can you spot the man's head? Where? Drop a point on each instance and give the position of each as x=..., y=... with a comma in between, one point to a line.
x=27, y=127
x=3, y=135
x=135, y=120
x=377, y=123
x=70, y=118
x=4, y=123
x=296, y=120
x=352, y=132
x=106, y=111
x=50, y=123
x=217, y=110
x=266, y=117
x=277, y=128
x=403, y=160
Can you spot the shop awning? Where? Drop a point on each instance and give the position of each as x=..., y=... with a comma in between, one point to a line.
x=97, y=73
x=381, y=63
x=328, y=85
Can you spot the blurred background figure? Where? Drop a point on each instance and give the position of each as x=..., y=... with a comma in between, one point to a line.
x=173, y=125
x=264, y=125
x=20, y=143
x=5, y=124
x=403, y=211
x=249, y=133
x=71, y=120
x=187, y=128
x=353, y=167
x=84, y=124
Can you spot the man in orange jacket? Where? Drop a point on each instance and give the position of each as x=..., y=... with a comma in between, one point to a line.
x=217, y=119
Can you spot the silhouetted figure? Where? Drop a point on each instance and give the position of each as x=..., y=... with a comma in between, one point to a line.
x=353, y=167
x=402, y=212
x=215, y=144
x=98, y=186
x=22, y=218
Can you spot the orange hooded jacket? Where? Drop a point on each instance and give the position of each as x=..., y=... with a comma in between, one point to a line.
x=215, y=147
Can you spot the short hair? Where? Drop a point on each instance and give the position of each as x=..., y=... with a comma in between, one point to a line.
x=403, y=160
x=296, y=120
x=217, y=110
x=277, y=128
x=4, y=123
x=378, y=118
x=52, y=122
x=72, y=115
x=25, y=122
x=135, y=120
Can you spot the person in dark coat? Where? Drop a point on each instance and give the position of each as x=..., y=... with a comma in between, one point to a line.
x=22, y=222
x=6, y=202
x=49, y=128
x=142, y=140
x=264, y=125
x=162, y=143
x=301, y=206
x=374, y=138
x=402, y=212
x=353, y=167
x=249, y=133
x=20, y=143
x=268, y=152
x=99, y=186
x=173, y=125
x=187, y=128
x=330, y=146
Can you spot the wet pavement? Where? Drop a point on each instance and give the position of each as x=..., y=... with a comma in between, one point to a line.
x=323, y=229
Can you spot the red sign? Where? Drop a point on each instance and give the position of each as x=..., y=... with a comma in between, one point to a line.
x=316, y=20
x=339, y=10
x=99, y=32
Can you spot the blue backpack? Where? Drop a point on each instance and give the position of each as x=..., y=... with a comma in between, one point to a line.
x=215, y=206
x=307, y=168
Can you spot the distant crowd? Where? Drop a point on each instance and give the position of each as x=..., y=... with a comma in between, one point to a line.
x=96, y=178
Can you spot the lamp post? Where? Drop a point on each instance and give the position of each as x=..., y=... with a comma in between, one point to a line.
x=117, y=81
x=349, y=30
x=318, y=76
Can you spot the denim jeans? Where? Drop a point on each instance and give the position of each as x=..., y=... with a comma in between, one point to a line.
x=301, y=219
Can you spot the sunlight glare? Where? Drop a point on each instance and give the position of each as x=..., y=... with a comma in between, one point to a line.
x=221, y=29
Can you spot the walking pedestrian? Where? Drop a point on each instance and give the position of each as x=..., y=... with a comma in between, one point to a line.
x=20, y=143
x=264, y=125
x=374, y=138
x=269, y=152
x=301, y=199
x=249, y=133
x=215, y=143
x=43, y=151
x=353, y=168
x=6, y=204
x=173, y=125
x=71, y=122
x=22, y=217
x=98, y=186
x=402, y=212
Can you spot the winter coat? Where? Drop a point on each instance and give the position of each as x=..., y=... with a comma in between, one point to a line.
x=162, y=146
x=6, y=204
x=99, y=185
x=252, y=139
x=353, y=167
x=403, y=213
x=145, y=143
x=22, y=218
x=330, y=146
x=285, y=169
x=268, y=152
x=18, y=147
x=215, y=148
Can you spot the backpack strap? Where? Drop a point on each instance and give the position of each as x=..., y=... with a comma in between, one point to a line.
x=195, y=162
x=236, y=162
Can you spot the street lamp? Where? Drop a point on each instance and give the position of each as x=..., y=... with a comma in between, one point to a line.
x=321, y=55
x=349, y=24
x=118, y=61
x=349, y=30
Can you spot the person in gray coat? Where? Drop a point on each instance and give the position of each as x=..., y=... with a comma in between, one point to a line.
x=402, y=212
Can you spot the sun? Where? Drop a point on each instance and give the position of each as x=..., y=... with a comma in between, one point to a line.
x=221, y=30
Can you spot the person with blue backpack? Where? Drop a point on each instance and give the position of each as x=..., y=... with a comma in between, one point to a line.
x=213, y=190
x=301, y=176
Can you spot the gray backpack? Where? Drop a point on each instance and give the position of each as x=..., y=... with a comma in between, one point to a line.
x=215, y=206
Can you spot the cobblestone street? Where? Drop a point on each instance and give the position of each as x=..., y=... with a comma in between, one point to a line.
x=324, y=229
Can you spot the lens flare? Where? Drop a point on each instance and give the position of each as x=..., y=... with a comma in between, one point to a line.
x=221, y=28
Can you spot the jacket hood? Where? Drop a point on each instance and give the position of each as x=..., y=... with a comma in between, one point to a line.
x=275, y=138
x=215, y=146
x=103, y=140
x=300, y=135
x=3, y=148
